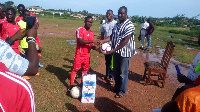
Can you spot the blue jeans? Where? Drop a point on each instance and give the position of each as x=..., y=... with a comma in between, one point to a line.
x=148, y=41
x=109, y=72
x=121, y=66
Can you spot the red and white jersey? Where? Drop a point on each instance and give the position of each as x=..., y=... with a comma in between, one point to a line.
x=16, y=94
x=84, y=50
x=3, y=20
x=8, y=30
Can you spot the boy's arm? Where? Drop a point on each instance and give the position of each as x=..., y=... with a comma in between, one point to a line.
x=81, y=41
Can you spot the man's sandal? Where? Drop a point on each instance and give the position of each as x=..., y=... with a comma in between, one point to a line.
x=119, y=95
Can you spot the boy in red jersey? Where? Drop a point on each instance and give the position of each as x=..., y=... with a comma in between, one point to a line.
x=85, y=42
x=2, y=13
x=9, y=28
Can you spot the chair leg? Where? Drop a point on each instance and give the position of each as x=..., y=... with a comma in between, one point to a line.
x=164, y=77
x=148, y=77
x=144, y=76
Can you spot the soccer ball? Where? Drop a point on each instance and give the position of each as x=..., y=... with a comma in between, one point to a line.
x=105, y=47
x=75, y=92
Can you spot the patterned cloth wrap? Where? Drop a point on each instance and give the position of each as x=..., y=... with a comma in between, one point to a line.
x=154, y=65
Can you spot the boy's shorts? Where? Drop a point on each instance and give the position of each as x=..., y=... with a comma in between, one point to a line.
x=81, y=62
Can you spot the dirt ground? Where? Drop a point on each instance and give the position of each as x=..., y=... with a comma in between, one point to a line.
x=139, y=98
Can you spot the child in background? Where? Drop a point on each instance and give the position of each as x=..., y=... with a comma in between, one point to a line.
x=20, y=9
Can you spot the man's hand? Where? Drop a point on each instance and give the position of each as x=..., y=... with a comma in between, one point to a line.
x=95, y=42
x=110, y=52
x=33, y=31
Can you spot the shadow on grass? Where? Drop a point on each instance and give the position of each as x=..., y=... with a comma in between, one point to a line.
x=73, y=108
x=71, y=61
x=60, y=73
x=104, y=104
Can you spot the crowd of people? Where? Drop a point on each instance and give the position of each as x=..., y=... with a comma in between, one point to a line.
x=16, y=93
x=20, y=51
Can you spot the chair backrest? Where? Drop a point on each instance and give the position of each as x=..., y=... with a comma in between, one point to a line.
x=167, y=54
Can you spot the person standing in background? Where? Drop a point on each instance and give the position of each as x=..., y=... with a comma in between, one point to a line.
x=143, y=32
x=20, y=9
x=150, y=30
x=2, y=13
x=106, y=31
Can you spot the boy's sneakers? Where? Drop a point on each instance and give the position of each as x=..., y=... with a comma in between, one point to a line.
x=27, y=78
x=39, y=64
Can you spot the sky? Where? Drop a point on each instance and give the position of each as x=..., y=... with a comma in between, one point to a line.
x=148, y=8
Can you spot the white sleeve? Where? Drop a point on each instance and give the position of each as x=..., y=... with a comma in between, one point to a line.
x=13, y=61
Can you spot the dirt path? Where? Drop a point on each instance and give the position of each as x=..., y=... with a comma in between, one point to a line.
x=139, y=98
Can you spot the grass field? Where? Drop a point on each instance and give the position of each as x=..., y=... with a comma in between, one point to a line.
x=57, y=58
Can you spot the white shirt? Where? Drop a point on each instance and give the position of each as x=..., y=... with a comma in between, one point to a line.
x=144, y=26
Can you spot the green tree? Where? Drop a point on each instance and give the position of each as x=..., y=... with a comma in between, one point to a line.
x=9, y=4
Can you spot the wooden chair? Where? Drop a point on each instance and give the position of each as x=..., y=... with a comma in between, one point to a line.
x=158, y=70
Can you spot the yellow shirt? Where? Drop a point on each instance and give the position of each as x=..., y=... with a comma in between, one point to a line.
x=23, y=42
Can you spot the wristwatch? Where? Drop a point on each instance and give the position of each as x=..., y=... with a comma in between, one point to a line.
x=10, y=42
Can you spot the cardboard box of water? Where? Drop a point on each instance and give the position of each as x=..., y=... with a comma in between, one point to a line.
x=89, y=87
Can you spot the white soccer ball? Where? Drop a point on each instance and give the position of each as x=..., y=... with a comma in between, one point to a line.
x=105, y=47
x=75, y=92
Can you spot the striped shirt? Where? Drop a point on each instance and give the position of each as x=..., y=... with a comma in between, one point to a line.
x=16, y=94
x=119, y=33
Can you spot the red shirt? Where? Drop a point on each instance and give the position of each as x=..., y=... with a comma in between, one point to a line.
x=9, y=30
x=3, y=20
x=84, y=50
x=16, y=94
x=150, y=29
x=20, y=17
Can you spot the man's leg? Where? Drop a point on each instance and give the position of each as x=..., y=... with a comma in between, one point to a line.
x=76, y=67
x=116, y=71
x=124, y=74
x=85, y=66
x=108, y=59
x=148, y=41
x=142, y=41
